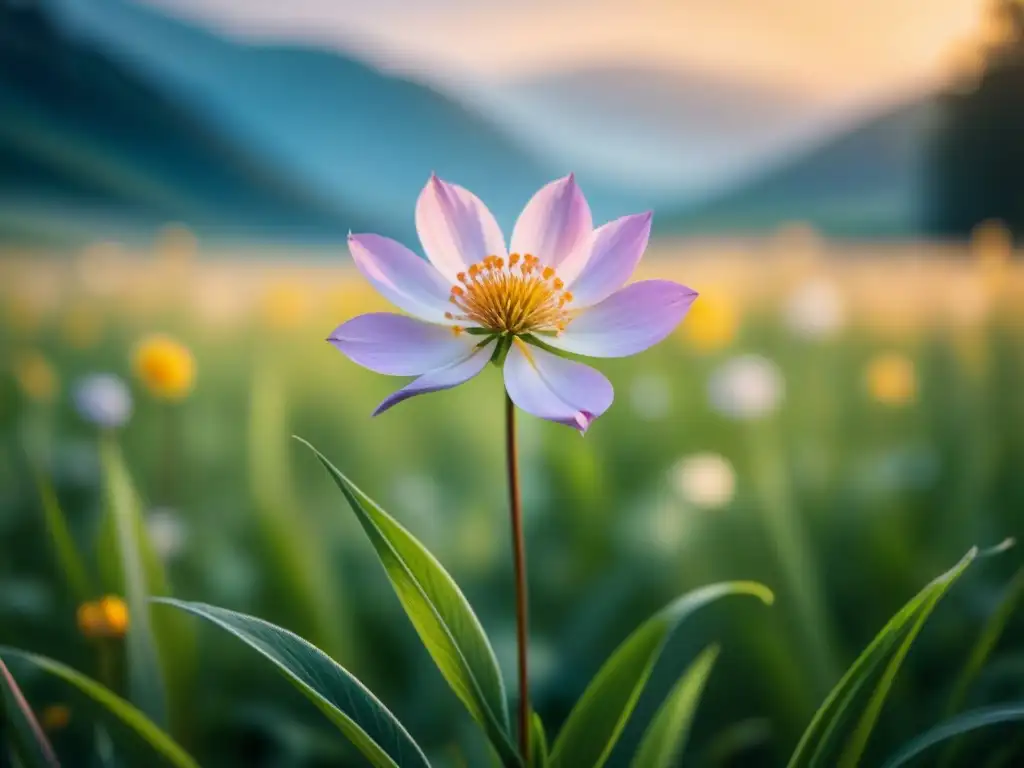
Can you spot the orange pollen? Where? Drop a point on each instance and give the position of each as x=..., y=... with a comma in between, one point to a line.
x=461, y=277
x=457, y=329
x=515, y=298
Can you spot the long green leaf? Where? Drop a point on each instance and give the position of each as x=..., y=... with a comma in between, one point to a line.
x=30, y=743
x=666, y=737
x=965, y=723
x=538, y=742
x=145, y=676
x=125, y=712
x=345, y=701
x=597, y=720
x=64, y=550
x=440, y=613
x=889, y=647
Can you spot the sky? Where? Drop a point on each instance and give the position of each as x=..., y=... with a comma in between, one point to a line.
x=835, y=51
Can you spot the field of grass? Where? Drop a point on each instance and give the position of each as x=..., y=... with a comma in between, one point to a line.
x=841, y=423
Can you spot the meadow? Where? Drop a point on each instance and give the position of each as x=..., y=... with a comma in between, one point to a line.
x=841, y=422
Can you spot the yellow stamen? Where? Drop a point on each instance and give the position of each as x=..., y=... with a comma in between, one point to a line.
x=501, y=299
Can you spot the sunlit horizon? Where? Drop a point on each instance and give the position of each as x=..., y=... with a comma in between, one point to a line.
x=806, y=47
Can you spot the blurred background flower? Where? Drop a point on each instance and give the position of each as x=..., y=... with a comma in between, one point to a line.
x=102, y=399
x=891, y=379
x=815, y=310
x=705, y=480
x=167, y=532
x=746, y=387
x=713, y=321
x=165, y=367
x=35, y=376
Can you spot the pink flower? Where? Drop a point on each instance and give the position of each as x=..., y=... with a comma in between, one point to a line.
x=558, y=291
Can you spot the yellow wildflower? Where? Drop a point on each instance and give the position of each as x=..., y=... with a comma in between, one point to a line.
x=106, y=617
x=36, y=377
x=892, y=379
x=712, y=322
x=165, y=366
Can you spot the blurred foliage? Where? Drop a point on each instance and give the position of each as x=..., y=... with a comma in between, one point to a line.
x=842, y=445
x=977, y=157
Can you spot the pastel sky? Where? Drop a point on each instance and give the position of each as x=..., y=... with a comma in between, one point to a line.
x=835, y=50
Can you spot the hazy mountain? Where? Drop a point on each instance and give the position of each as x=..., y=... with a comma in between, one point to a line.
x=87, y=145
x=362, y=139
x=867, y=180
x=676, y=133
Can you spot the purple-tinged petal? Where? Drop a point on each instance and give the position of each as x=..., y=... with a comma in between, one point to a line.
x=398, y=345
x=402, y=277
x=628, y=321
x=441, y=378
x=455, y=228
x=554, y=222
x=554, y=388
x=597, y=269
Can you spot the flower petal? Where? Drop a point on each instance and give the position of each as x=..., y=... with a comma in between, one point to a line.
x=441, y=378
x=402, y=277
x=597, y=269
x=554, y=388
x=553, y=223
x=456, y=228
x=628, y=321
x=399, y=345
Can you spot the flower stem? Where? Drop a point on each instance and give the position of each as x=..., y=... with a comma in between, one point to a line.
x=519, y=563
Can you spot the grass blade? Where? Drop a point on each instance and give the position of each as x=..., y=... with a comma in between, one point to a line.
x=346, y=702
x=145, y=676
x=952, y=729
x=312, y=600
x=597, y=720
x=30, y=743
x=987, y=641
x=440, y=613
x=666, y=737
x=538, y=742
x=64, y=550
x=121, y=709
x=889, y=647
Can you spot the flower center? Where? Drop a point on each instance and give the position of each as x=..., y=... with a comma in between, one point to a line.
x=519, y=297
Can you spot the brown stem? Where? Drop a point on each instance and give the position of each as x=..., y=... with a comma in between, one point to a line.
x=519, y=562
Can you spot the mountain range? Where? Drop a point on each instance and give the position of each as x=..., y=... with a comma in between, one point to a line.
x=119, y=118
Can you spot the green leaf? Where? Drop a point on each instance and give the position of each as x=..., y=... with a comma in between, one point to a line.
x=145, y=676
x=597, y=720
x=30, y=743
x=889, y=648
x=64, y=549
x=345, y=701
x=538, y=742
x=440, y=613
x=965, y=723
x=125, y=712
x=666, y=737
